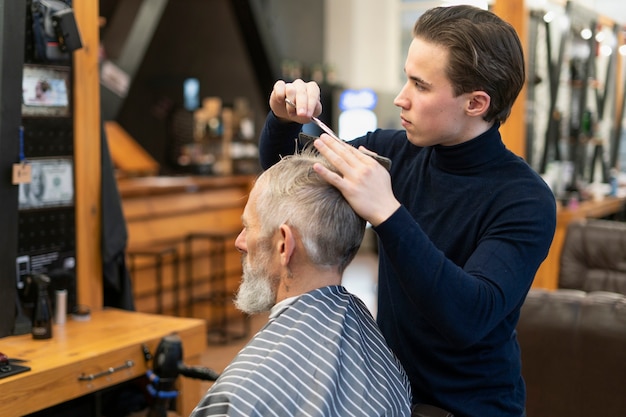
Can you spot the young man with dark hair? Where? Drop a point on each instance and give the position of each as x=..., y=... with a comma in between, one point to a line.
x=463, y=223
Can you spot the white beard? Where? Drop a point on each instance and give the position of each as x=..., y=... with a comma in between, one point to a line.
x=257, y=292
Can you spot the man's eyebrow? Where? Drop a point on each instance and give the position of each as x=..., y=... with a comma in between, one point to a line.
x=419, y=80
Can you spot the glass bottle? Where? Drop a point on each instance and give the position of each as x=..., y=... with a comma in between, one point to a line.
x=42, y=315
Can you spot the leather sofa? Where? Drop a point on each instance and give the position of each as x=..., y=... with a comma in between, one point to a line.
x=574, y=353
x=594, y=256
x=573, y=339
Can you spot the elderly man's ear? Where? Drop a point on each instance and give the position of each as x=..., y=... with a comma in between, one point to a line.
x=286, y=244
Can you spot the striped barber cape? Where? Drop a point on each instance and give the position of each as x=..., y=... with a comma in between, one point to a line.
x=321, y=356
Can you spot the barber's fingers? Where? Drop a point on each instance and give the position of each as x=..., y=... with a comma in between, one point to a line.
x=308, y=100
x=345, y=157
x=363, y=181
x=306, y=97
x=277, y=100
x=279, y=89
x=340, y=164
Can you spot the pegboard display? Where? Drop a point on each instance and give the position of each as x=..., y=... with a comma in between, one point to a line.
x=47, y=230
x=48, y=137
x=46, y=206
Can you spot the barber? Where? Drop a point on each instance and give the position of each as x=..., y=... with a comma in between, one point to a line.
x=463, y=223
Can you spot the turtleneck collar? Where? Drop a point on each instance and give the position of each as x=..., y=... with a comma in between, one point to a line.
x=471, y=155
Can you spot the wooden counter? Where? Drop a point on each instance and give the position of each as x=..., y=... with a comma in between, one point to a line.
x=165, y=209
x=548, y=274
x=110, y=339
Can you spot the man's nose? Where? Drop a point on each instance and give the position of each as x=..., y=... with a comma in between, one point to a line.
x=240, y=242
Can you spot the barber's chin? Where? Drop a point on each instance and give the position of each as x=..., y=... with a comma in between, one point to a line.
x=415, y=139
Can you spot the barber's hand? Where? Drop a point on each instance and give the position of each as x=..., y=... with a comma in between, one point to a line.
x=305, y=95
x=365, y=183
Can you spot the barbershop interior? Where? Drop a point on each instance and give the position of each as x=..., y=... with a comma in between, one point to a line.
x=130, y=150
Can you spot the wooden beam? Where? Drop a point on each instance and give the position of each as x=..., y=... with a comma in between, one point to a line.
x=514, y=130
x=87, y=162
x=129, y=158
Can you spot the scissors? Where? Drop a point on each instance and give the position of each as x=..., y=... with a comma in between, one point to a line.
x=385, y=162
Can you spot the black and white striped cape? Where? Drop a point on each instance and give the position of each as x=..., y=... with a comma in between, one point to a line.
x=321, y=356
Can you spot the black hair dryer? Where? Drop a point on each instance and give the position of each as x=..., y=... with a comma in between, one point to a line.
x=167, y=364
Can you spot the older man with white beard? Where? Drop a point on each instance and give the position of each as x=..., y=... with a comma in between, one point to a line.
x=321, y=352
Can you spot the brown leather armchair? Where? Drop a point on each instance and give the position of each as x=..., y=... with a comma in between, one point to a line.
x=573, y=347
x=594, y=256
x=573, y=339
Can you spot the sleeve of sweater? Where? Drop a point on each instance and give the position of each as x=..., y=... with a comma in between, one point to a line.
x=277, y=139
x=465, y=303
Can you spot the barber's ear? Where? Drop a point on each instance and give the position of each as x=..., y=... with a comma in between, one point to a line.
x=478, y=104
x=286, y=244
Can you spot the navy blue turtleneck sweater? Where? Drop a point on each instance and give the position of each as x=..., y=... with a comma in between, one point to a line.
x=456, y=262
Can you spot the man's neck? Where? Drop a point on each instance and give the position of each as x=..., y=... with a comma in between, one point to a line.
x=302, y=280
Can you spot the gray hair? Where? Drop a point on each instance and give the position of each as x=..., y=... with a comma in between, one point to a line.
x=292, y=193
